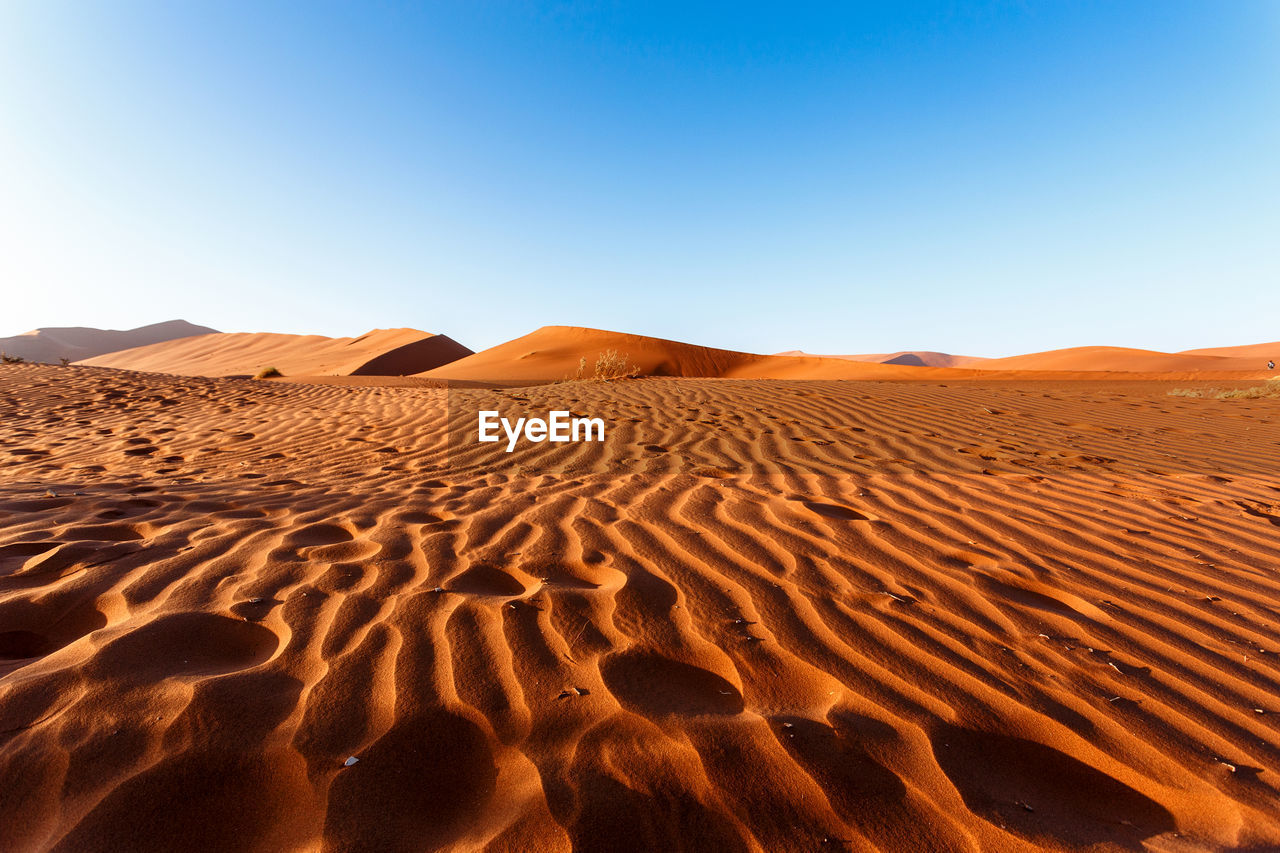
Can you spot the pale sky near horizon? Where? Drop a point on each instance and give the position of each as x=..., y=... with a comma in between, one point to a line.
x=985, y=179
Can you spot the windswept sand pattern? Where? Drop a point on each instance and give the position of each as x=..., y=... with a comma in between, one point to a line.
x=762, y=615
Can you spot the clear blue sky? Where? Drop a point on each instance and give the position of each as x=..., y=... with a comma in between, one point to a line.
x=986, y=179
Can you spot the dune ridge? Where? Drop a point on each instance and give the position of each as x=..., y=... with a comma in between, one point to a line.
x=1132, y=360
x=917, y=358
x=761, y=615
x=74, y=343
x=381, y=352
x=557, y=353
x=1255, y=352
x=554, y=353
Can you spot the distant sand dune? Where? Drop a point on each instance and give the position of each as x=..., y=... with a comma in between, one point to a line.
x=1255, y=352
x=386, y=352
x=74, y=343
x=553, y=353
x=1125, y=359
x=917, y=358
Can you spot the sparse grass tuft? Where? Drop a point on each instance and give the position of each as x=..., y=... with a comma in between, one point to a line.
x=1254, y=393
x=267, y=373
x=1257, y=392
x=66, y=362
x=12, y=359
x=609, y=366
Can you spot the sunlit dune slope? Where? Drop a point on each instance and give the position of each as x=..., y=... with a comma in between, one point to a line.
x=1121, y=359
x=385, y=352
x=553, y=353
x=1256, y=353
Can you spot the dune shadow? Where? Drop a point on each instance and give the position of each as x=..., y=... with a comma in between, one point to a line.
x=1039, y=792
x=654, y=685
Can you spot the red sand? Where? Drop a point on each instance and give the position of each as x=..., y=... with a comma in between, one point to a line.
x=762, y=615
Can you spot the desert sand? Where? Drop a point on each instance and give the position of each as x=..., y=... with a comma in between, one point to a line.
x=75, y=343
x=767, y=615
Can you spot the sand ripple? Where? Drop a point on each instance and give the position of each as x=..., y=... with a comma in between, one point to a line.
x=761, y=616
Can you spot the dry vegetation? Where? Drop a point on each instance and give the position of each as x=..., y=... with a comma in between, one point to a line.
x=609, y=366
x=1257, y=392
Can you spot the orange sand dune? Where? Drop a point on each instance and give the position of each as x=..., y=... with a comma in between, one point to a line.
x=554, y=353
x=917, y=358
x=74, y=343
x=759, y=616
x=1256, y=353
x=382, y=352
x=1120, y=359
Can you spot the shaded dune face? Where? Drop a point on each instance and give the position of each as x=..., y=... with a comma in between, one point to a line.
x=999, y=776
x=759, y=616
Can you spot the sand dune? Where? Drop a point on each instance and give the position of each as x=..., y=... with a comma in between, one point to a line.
x=382, y=352
x=761, y=616
x=1257, y=353
x=74, y=343
x=1122, y=359
x=554, y=353
x=917, y=358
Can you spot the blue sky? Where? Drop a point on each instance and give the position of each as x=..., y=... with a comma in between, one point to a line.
x=984, y=178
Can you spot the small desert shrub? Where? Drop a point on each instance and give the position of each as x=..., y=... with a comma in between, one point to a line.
x=267, y=373
x=1272, y=389
x=65, y=361
x=1255, y=393
x=11, y=359
x=610, y=365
